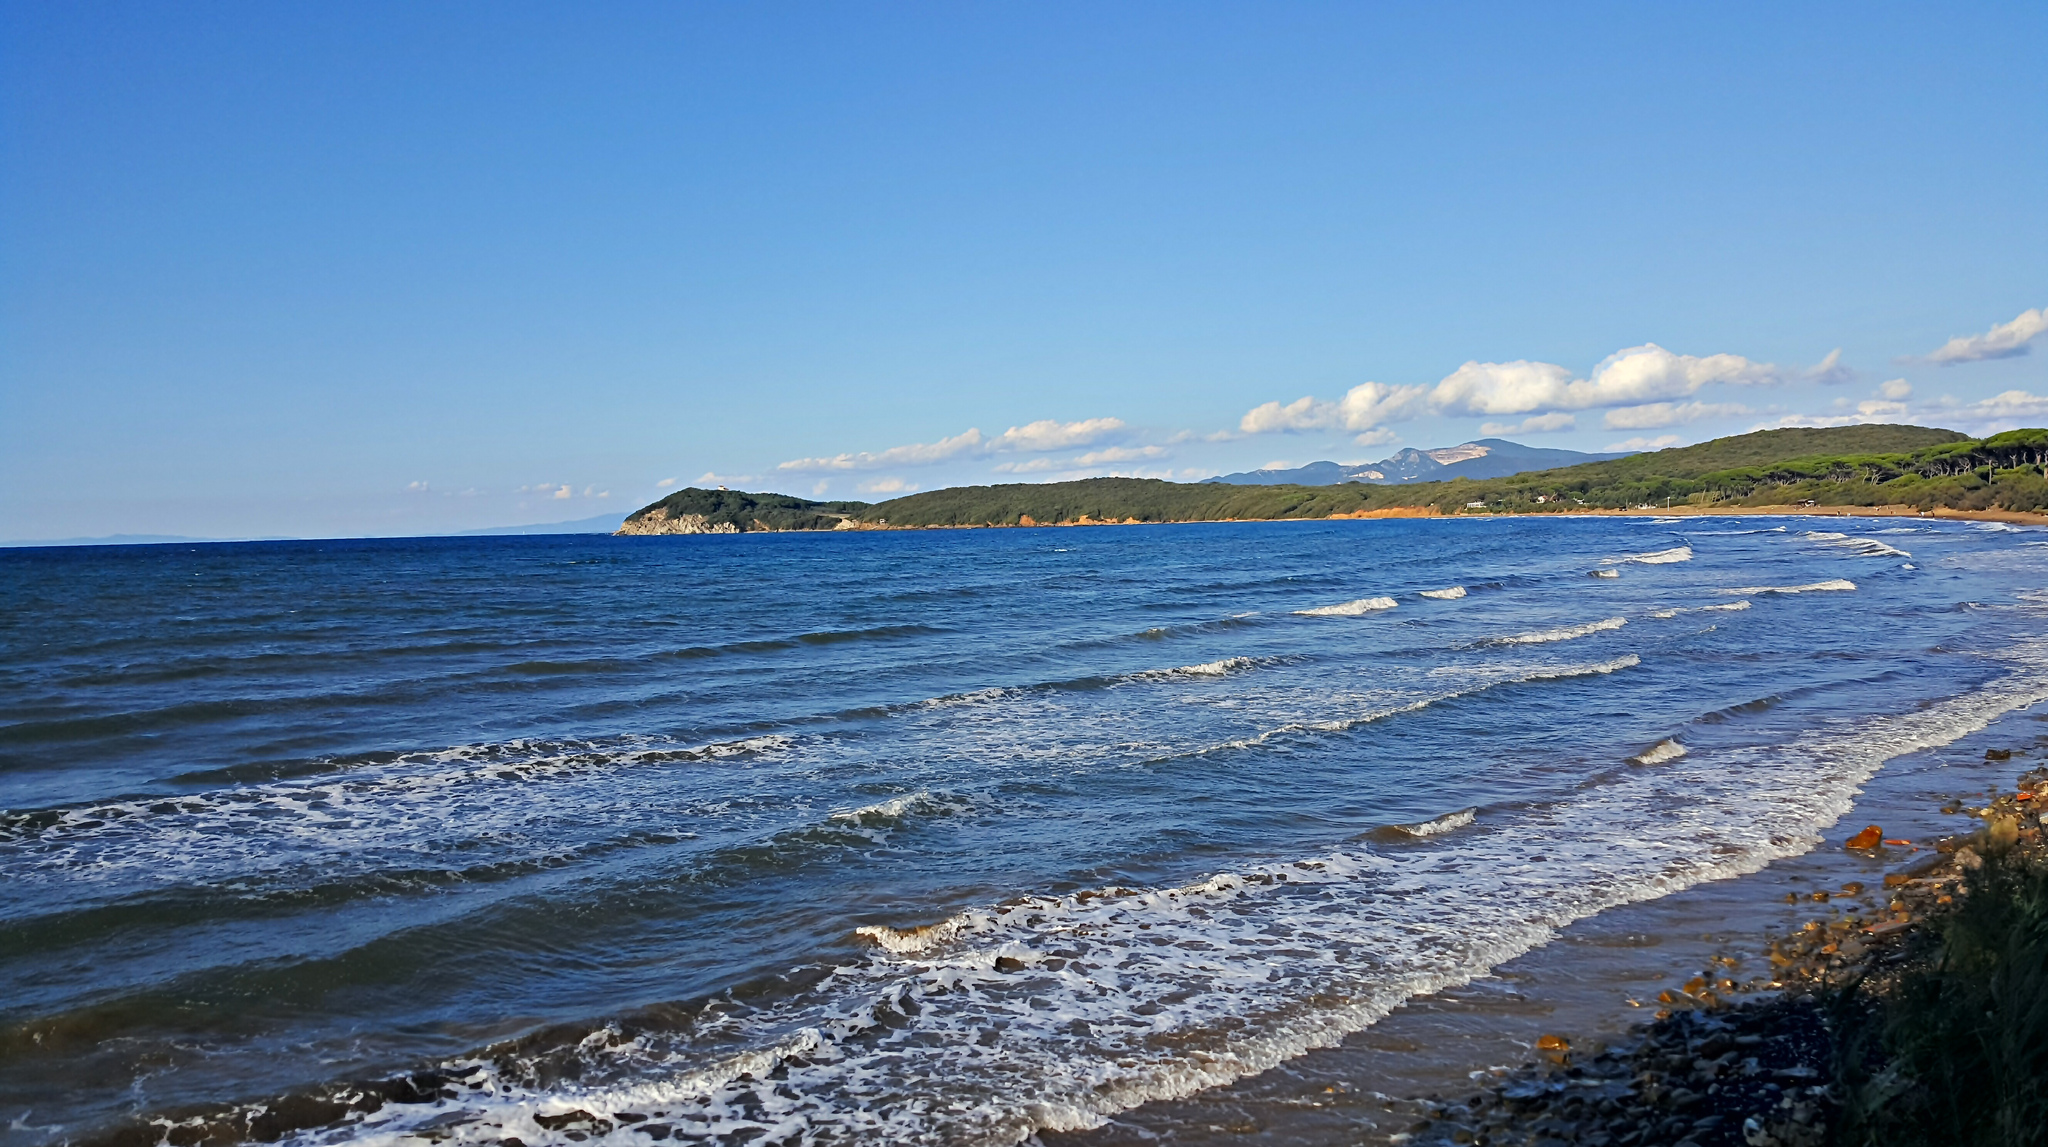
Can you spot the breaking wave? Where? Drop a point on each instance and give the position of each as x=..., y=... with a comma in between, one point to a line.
x=1670, y=613
x=1863, y=547
x=1562, y=633
x=1605, y=573
x=1359, y=608
x=1056, y=1012
x=1657, y=754
x=1662, y=557
x=1451, y=594
x=1831, y=584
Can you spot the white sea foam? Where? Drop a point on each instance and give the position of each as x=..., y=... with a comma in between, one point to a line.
x=1661, y=557
x=1222, y=668
x=1359, y=608
x=1480, y=684
x=1449, y=822
x=1657, y=754
x=1670, y=613
x=1863, y=547
x=1563, y=633
x=1837, y=583
x=1451, y=594
x=356, y=817
x=1056, y=1012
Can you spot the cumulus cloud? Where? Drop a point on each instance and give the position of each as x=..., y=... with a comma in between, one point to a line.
x=1101, y=457
x=915, y=454
x=1646, y=373
x=1898, y=390
x=2007, y=405
x=1050, y=434
x=1636, y=376
x=819, y=487
x=665, y=483
x=1534, y=424
x=1651, y=415
x=1035, y=437
x=1816, y=420
x=1379, y=437
x=1362, y=408
x=2005, y=340
x=1639, y=443
x=887, y=486
x=416, y=487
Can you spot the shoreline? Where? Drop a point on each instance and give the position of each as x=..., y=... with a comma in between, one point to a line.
x=1597, y=986
x=1765, y=1070
x=2011, y=517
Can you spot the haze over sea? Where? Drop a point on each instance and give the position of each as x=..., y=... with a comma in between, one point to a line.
x=926, y=837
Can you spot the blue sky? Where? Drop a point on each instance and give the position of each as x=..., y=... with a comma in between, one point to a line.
x=386, y=269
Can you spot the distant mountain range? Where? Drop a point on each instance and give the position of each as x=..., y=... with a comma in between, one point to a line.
x=1486, y=458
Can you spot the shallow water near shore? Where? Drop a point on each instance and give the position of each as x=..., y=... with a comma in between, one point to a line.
x=929, y=837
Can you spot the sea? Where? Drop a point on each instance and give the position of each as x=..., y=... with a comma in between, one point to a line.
x=922, y=837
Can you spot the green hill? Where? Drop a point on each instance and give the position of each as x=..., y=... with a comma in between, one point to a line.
x=1836, y=466
x=695, y=511
x=1766, y=466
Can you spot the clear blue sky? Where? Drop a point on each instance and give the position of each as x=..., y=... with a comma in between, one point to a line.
x=320, y=269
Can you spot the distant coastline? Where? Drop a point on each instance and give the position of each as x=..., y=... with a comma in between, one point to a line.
x=1875, y=471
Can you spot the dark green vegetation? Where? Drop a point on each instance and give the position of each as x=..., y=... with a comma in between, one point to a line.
x=1955, y=1050
x=1839, y=466
x=751, y=512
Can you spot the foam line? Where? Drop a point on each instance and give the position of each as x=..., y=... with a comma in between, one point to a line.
x=1359, y=608
x=1056, y=1012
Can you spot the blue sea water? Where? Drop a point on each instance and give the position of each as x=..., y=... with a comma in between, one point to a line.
x=941, y=837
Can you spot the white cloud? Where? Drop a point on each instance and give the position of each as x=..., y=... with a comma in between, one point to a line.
x=887, y=486
x=2009, y=404
x=1640, y=374
x=1658, y=443
x=819, y=487
x=1829, y=371
x=1082, y=461
x=1379, y=437
x=1503, y=387
x=1049, y=434
x=1534, y=424
x=416, y=487
x=1898, y=390
x=1034, y=437
x=665, y=483
x=1815, y=420
x=1362, y=408
x=564, y=494
x=1655, y=414
x=915, y=454
x=1030, y=466
x=1635, y=376
x=1119, y=454
x=2002, y=341
x=713, y=478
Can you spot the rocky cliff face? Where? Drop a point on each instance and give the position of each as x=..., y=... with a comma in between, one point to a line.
x=658, y=521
